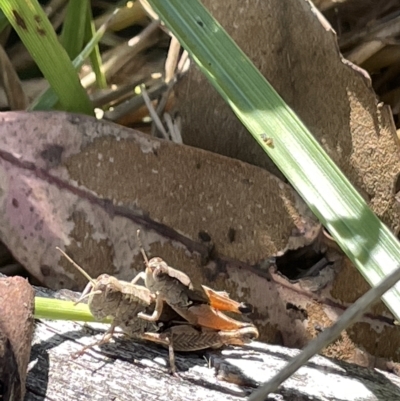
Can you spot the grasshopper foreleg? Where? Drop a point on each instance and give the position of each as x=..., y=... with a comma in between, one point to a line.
x=141, y=275
x=158, y=308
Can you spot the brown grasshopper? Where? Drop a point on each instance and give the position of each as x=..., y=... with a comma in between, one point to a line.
x=120, y=300
x=123, y=301
x=200, y=306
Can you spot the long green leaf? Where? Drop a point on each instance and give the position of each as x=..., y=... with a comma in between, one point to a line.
x=35, y=30
x=57, y=309
x=3, y=21
x=49, y=98
x=365, y=239
x=95, y=56
x=73, y=30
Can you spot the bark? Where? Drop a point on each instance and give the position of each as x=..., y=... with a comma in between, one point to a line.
x=125, y=370
x=16, y=329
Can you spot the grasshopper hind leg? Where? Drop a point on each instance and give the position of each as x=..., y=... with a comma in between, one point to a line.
x=106, y=338
x=171, y=355
x=166, y=341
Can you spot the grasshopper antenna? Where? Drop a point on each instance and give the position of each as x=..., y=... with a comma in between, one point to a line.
x=141, y=248
x=77, y=266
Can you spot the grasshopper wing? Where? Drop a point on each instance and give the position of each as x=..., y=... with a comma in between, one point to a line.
x=206, y=316
x=186, y=338
x=221, y=301
x=139, y=293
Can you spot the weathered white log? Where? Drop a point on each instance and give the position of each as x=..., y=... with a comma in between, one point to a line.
x=126, y=370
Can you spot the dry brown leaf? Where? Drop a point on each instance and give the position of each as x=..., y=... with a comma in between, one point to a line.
x=296, y=50
x=11, y=83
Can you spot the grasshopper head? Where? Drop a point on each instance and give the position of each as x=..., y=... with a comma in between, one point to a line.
x=158, y=268
x=107, y=285
x=105, y=296
x=153, y=263
x=151, y=273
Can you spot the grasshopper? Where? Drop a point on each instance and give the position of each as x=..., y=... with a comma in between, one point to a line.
x=200, y=306
x=123, y=301
x=120, y=300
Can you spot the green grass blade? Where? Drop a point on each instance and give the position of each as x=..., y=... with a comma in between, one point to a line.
x=365, y=239
x=95, y=56
x=3, y=21
x=56, y=309
x=73, y=30
x=49, y=98
x=37, y=34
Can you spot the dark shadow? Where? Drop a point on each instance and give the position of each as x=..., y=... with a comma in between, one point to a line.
x=38, y=376
x=121, y=348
